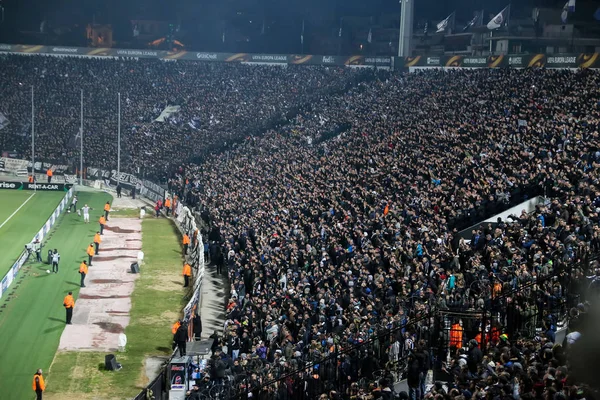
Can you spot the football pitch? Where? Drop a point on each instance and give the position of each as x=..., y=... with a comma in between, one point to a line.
x=22, y=214
x=31, y=313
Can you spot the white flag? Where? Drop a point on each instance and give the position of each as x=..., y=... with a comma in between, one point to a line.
x=369, y=36
x=500, y=19
x=443, y=25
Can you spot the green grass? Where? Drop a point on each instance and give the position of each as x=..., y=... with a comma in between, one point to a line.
x=32, y=315
x=156, y=303
x=21, y=228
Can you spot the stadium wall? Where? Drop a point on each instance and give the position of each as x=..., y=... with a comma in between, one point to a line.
x=42, y=233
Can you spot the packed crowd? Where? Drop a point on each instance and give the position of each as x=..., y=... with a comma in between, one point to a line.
x=218, y=104
x=342, y=227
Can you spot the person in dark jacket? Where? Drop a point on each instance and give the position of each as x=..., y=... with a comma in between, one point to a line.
x=197, y=326
x=216, y=341
x=412, y=377
x=474, y=356
x=180, y=338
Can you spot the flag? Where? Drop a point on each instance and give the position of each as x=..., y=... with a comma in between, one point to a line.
x=425, y=28
x=443, y=25
x=475, y=21
x=569, y=7
x=369, y=36
x=302, y=33
x=340, y=32
x=565, y=13
x=597, y=14
x=223, y=37
x=500, y=19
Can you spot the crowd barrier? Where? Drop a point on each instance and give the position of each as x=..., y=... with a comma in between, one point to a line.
x=42, y=233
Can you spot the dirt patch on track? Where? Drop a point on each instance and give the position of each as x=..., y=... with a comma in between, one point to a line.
x=165, y=283
x=110, y=327
x=166, y=318
x=106, y=281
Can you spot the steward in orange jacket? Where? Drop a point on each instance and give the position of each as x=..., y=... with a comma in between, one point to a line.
x=49, y=174
x=168, y=205
x=186, y=243
x=69, y=304
x=97, y=241
x=38, y=384
x=83, y=270
x=456, y=336
x=187, y=273
x=106, y=210
x=91, y=253
x=102, y=222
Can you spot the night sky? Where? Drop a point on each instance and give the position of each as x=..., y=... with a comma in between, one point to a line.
x=202, y=22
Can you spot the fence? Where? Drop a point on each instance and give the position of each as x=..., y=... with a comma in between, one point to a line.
x=186, y=223
x=14, y=270
x=384, y=355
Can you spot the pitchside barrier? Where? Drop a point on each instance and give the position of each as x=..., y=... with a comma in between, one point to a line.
x=187, y=224
x=43, y=232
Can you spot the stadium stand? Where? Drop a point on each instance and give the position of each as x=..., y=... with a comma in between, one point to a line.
x=330, y=243
x=338, y=225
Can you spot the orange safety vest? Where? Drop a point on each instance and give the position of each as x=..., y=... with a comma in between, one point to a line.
x=187, y=270
x=102, y=220
x=175, y=326
x=30, y=179
x=168, y=203
x=38, y=382
x=97, y=238
x=83, y=268
x=49, y=172
x=186, y=239
x=107, y=207
x=68, y=302
x=90, y=251
x=456, y=333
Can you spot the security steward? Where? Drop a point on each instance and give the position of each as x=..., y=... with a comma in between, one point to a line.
x=69, y=304
x=38, y=384
x=102, y=222
x=174, y=328
x=168, y=205
x=83, y=270
x=91, y=253
x=97, y=241
x=49, y=175
x=187, y=274
x=106, y=210
x=186, y=243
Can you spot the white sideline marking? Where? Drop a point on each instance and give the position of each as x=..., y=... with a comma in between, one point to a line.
x=17, y=210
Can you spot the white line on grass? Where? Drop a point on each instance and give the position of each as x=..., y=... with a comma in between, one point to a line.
x=17, y=210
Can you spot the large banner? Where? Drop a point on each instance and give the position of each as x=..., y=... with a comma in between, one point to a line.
x=13, y=164
x=46, y=187
x=200, y=56
x=514, y=61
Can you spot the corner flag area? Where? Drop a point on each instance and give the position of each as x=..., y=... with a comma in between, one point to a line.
x=31, y=313
x=22, y=214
